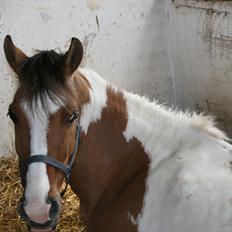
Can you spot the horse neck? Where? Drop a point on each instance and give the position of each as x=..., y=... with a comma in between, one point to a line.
x=163, y=131
x=106, y=160
x=158, y=129
x=121, y=133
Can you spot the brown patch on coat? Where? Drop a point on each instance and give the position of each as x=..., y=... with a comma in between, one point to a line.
x=61, y=134
x=109, y=174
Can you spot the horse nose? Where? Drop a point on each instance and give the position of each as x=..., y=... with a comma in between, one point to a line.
x=40, y=217
x=37, y=211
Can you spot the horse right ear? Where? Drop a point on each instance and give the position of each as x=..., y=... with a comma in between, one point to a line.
x=14, y=55
x=73, y=56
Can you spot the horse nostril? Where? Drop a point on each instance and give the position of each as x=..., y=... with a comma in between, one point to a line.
x=54, y=209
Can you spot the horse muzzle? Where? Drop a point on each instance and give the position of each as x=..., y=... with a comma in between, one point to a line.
x=47, y=226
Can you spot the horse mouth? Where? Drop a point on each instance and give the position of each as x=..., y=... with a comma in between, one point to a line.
x=48, y=226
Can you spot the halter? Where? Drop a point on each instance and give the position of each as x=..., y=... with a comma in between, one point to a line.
x=66, y=169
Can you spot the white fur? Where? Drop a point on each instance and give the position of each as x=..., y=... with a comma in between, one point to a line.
x=37, y=179
x=91, y=112
x=189, y=185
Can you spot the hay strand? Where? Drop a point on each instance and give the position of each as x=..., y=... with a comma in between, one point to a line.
x=10, y=193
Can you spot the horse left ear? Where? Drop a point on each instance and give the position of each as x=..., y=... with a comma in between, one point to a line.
x=14, y=55
x=73, y=56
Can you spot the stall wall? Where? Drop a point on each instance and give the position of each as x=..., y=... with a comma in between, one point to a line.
x=201, y=44
x=178, y=52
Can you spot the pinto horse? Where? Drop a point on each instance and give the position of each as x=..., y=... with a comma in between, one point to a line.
x=134, y=164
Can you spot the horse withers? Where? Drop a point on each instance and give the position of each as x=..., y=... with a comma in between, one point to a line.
x=134, y=164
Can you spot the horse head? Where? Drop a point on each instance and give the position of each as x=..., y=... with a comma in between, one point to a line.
x=45, y=117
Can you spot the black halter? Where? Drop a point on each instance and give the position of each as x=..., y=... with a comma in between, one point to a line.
x=66, y=169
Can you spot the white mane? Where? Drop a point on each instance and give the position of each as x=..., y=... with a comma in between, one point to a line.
x=144, y=114
x=152, y=111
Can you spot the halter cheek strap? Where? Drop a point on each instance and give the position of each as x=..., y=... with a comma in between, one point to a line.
x=66, y=169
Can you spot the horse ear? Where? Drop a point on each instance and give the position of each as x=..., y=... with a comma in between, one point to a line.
x=73, y=56
x=14, y=55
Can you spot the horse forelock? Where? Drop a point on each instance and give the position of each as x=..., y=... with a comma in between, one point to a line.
x=42, y=80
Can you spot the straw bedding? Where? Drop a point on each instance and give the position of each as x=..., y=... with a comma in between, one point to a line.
x=10, y=193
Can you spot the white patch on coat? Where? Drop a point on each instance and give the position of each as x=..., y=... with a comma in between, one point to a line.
x=91, y=112
x=189, y=184
x=37, y=186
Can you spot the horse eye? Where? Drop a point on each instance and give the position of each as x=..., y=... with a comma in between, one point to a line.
x=12, y=116
x=72, y=118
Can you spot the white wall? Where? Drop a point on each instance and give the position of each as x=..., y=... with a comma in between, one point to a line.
x=125, y=48
x=201, y=45
x=177, y=51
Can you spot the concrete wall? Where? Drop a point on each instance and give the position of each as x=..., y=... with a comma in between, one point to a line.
x=176, y=51
x=201, y=44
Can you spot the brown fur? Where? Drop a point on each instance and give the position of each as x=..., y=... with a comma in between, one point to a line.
x=61, y=134
x=109, y=172
x=22, y=132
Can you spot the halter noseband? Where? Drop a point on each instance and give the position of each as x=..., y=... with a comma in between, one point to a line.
x=66, y=169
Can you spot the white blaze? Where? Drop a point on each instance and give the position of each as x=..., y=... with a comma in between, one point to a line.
x=37, y=186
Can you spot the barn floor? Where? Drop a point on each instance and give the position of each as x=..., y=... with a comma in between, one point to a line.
x=10, y=193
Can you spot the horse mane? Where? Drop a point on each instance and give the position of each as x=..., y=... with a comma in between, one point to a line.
x=42, y=79
x=143, y=111
x=188, y=119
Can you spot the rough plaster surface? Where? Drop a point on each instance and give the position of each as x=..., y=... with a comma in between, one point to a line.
x=201, y=46
x=179, y=51
x=123, y=42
